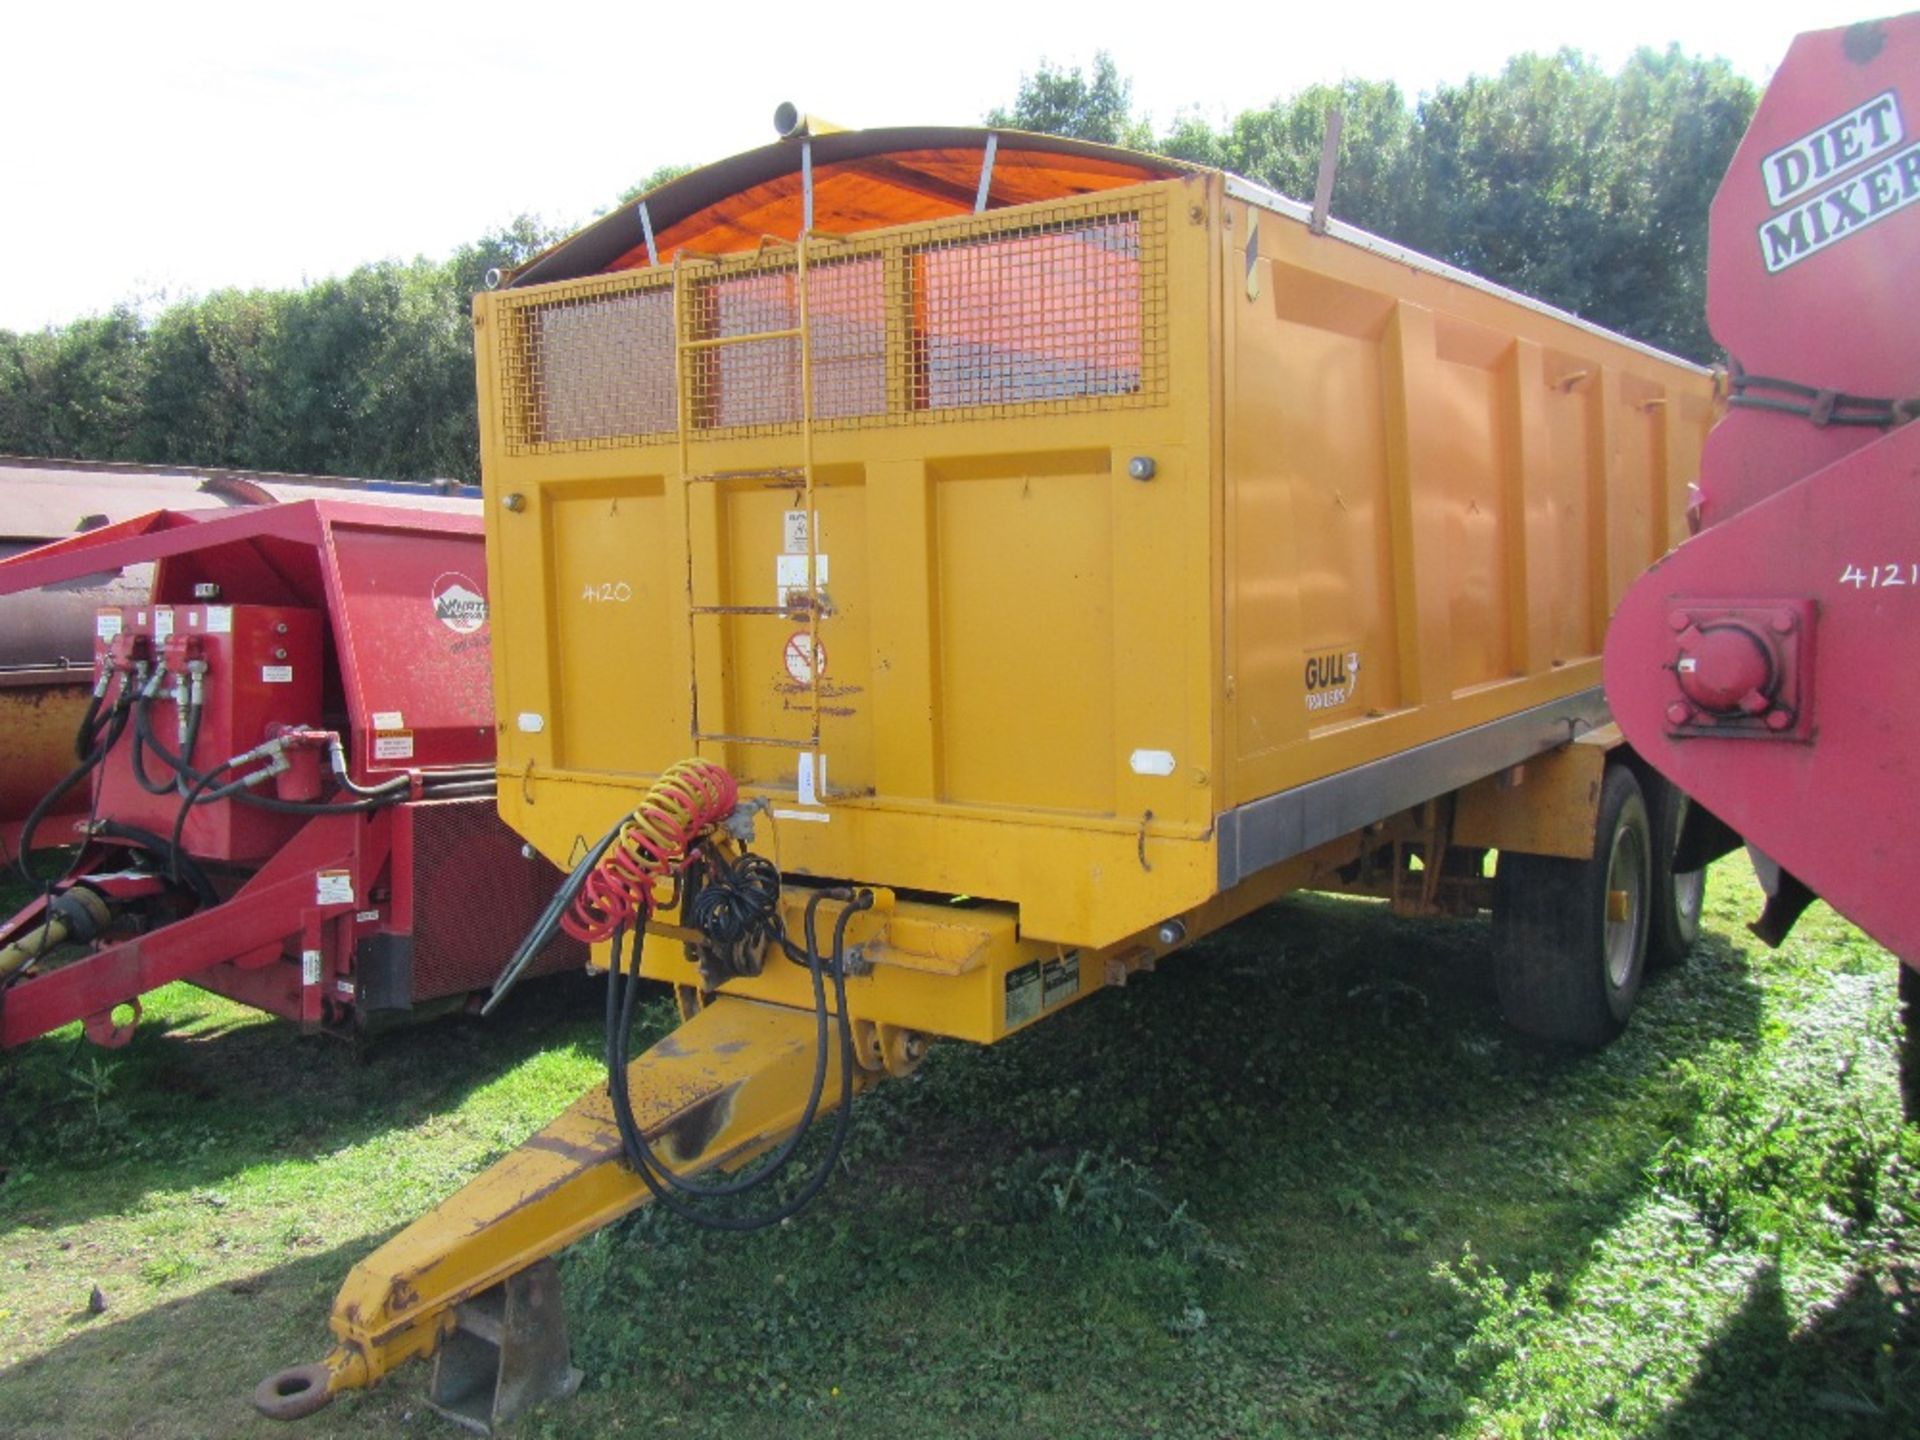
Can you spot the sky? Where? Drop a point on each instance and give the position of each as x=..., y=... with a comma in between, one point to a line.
x=158, y=151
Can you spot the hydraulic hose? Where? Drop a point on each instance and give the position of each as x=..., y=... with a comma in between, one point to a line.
x=640, y=1156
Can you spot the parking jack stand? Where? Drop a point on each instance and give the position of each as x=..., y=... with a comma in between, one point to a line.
x=508, y=1353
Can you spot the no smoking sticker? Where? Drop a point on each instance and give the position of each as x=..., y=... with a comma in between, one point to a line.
x=803, y=664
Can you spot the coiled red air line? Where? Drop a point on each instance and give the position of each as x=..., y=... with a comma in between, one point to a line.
x=652, y=846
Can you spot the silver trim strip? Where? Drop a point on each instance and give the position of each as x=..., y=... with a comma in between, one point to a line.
x=1278, y=827
x=1242, y=189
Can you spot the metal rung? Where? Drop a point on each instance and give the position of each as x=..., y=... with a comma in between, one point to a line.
x=774, y=473
x=771, y=740
x=713, y=342
x=793, y=612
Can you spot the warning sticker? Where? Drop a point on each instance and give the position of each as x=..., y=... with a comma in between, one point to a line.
x=794, y=532
x=309, y=967
x=1023, y=994
x=107, y=624
x=219, y=619
x=333, y=887
x=1060, y=979
x=276, y=674
x=162, y=623
x=394, y=745
x=804, y=660
x=387, y=720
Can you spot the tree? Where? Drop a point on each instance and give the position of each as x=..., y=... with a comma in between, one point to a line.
x=660, y=176
x=1070, y=102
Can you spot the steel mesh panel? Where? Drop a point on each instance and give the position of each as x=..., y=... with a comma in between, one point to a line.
x=1055, y=313
x=475, y=895
x=1042, y=309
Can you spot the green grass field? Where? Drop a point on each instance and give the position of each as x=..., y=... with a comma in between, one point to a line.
x=1299, y=1182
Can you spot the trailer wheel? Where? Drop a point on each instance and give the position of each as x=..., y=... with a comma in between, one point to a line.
x=1570, y=936
x=1677, y=899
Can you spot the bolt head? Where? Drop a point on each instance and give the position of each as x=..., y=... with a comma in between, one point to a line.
x=1678, y=714
x=516, y=502
x=1142, y=467
x=1678, y=620
x=1779, y=719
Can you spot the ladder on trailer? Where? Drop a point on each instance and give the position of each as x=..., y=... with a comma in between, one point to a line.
x=692, y=354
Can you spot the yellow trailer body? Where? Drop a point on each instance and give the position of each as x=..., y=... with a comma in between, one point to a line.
x=1154, y=539
x=1068, y=551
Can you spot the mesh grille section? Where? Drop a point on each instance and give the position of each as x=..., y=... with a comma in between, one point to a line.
x=475, y=895
x=1053, y=314
x=1045, y=308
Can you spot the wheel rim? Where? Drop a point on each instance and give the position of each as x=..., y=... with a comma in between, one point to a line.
x=1626, y=874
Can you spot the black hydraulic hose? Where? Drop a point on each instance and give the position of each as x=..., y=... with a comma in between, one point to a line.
x=619, y=1031
x=143, y=740
x=116, y=725
x=542, y=933
x=641, y=1157
x=178, y=860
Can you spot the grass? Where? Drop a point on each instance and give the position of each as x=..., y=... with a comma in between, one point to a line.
x=1298, y=1183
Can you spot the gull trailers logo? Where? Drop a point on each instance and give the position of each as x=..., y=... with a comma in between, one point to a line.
x=1332, y=678
x=1823, y=209
x=458, y=603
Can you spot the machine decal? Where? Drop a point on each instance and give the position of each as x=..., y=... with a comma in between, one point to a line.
x=162, y=624
x=812, y=778
x=333, y=887
x=458, y=603
x=107, y=624
x=794, y=531
x=1881, y=577
x=790, y=574
x=1151, y=762
x=820, y=815
x=1332, y=677
x=309, y=967
x=1844, y=210
x=276, y=674
x=387, y=720
x=801, y=664
x=611, y=592
x=1023, y=988
x=1862, y=133
x=393, y=745
x=1060, y=979
x=219, y=619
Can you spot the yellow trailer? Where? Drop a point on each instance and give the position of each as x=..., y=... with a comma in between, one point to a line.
x=1065, y=551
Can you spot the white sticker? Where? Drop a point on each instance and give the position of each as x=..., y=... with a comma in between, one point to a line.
x=393, y=747
x=333, y=887
x=366, y=916
x=309, y=967
x=344, y=986
x=532, y=722
x=813, y=777
x=801, y=665
x=276, y=674
x=1152, y=762
x=458, y=603
x=794, y=534
x=193, y=619
x=162, y=623
x=387, y=720
x=107, y=624
x=821, y=815
x=790, y=574
x=219, y=619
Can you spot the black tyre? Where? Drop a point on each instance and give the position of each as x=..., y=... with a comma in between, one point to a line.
x=1570, y=936
x=1674, y=923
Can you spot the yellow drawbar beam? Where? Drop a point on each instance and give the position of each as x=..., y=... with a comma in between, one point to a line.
x=729, y=1084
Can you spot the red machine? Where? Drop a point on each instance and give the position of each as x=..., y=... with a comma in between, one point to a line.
x=288, y=759
x=1771, y=665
